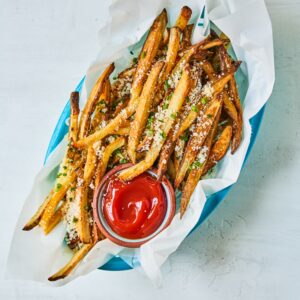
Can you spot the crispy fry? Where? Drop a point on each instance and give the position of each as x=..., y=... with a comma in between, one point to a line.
x=171, y=169
x=92, y=100
x=219, y=149
x=70, y=266
x=148, y=53
x=35, y=219
x=54, y=200
x=143, y=110
x=178, y=152
x=184, y=17
x=197, y=139
x=73, y=127
x=118, y=143
x=57, y=217
x=187, y=36
x=102, y=105
x=175, y=104
x=197, y=169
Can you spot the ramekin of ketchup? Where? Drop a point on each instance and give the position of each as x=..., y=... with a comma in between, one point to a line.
x=131, y=213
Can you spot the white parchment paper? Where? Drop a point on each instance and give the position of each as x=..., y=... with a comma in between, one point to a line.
x=34, y=256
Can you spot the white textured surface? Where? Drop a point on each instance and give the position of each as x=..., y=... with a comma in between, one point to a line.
x=248, y=249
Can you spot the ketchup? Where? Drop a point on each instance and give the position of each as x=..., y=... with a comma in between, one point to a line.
x=134, y=209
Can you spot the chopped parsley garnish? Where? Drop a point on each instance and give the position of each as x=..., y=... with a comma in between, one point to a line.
x=194, y=108
x=184, y=137
x=143, y=54
x=163, y=135
x=58, y=186
x=173, y=116
x=187, y=99
x=166, y=85
x=87, y=207
x=115, y=77
x=71, y=199
x=73, y=189
x=123, y=160
x=58, y=175
x=204, y=100
x=150, y=132
x=102, y=101
x=64, y=174
x=209, y=116
x=134, y=60
x=195, y=165
x=65, y=167
x=165, y=106
x=75, y=220
x=169, y=96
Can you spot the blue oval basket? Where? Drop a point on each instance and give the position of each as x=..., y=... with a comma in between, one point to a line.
x=116, y=263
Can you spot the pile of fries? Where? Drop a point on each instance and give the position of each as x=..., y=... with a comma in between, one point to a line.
x=176, y=107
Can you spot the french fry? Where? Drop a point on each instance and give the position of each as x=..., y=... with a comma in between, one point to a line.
x=219, y=149
x=57, y=217
x=143, y=110
x=217, y=87
x=184, y=17
x=197, y=169
x=92, y=100
x=73, y=127
x=54, y=200
x=233, y=91
x=178, y=152
x=187, y=36
x=197, y=139
x=102, y=106
x=118, y=143
x=35, y=219
x=171, y=169
x=148, y=53
x=175, y=104
x=70, y=266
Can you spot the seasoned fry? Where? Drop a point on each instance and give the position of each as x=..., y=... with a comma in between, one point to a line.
x=73, y=127
x=34, y=221
x=143, y=110
x=118, y=143
x=92, y=100
x=184, y=17
x=174, y=106
x=187, y=36
x=197, y=139
x=198, y=166
x=54, y=200
x=219, y=149
x=57, y=217
x=147, y=54
x=171, y=169
x=70, y=266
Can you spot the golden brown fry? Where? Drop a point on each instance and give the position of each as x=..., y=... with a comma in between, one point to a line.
x=197, y=139
x=102, y=105
x=217, y=87
x=175, y=104
x=57, y=196
x=57, y=217
x=178, y=152
x=198, y=166
x=187, y=36
x=73, y=127
x=89, y=166
x=92, y=100
x=233, y=91
x=118, y=143
x=171, y=169
x=35, y=219
x=171, y=56
x=184, y=17
x=143, y=110
x=148, y=54
x=219, y=149
x=70, y=266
